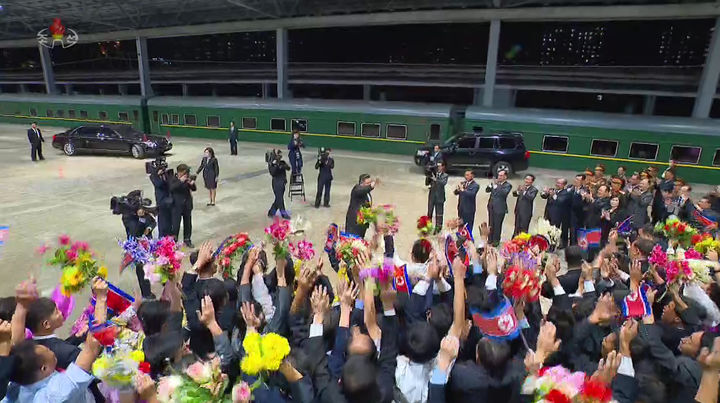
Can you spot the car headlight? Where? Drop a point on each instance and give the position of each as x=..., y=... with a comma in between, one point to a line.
x=423, y=152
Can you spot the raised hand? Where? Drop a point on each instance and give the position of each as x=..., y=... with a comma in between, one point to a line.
x=204, y=254
x=348, y=293
x=99, y=287
x=206, y=314
x=710, y=360
x=26, y=292
x=449, y=347
x=607, y=367
x=491, y=260
x=546, y=342
x=145, y=387
x=604, y=310
x=627, y=333
x=252, y=322
x=459, y=268
x=319, y=301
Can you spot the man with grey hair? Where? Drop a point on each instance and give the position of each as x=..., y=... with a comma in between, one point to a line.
x=497, y=205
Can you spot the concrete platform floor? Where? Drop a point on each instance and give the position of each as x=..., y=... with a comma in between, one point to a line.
x=71, y=195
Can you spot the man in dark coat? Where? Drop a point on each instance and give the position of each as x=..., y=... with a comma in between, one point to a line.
x=233, y=137
x=359, y=196
x=497, y=205
x=467, y=192
x=525, y=194
x=557, y=209
x=325, y=164
x=577, y=205
x=278, y=169
x=181, y=187
x=436, y=197
x=294, y=153
x=640, y=198
x=36, y=139
x=163, y=200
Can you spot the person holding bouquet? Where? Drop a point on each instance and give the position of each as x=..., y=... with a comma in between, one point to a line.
x=359, y=196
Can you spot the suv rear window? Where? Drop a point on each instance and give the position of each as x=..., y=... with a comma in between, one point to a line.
x=486, y=142
x=507, y=143
x=467, y=142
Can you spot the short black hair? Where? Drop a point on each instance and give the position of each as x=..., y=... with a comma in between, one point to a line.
x=441, y=317
x=363, y=177
x=421, y=342
x=153, y=315
x=419, y=252
x=183, y=168
x=160, y=349
x=532, y=176
x=27, y=363
x=194, y=257
x=359, y=380
x=573, y=256
x=7, y=308
x=648, y=229
x=645, y=246
x=581, y=176
x=493, y=355
x=215, y=288
x=39, y=311
x=708, y=338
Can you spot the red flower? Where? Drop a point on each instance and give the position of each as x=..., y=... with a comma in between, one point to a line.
x=64, y=240
x=696, y=238
x=681, y=228
x=144, y=367
x=596, y=391
x=555, y=396
x=667, y=227
x=423, y=222
x=106, y=336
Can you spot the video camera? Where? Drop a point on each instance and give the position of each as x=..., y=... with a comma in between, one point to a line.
x=130, y=204
x=323, y=155
x=153, y=167
x=273, y=156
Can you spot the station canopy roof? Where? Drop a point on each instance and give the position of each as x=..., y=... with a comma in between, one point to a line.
x=96, y=20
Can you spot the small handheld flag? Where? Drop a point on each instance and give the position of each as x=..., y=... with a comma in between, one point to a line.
x=501, y=323
x=702, y=219
x=117, y=300
x=625, y=227
x=4, y=232
x=589, y=238
x=636, y=303
x=402, y=280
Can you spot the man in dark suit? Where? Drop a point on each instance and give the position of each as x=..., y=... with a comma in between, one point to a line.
x=359, y=197
x=640, y=198
x=557, y=209
x=325, y=164
x=436, y=197
x=278, y=169
x=233, y=137
x=467, y=192
x=497, y=205
x=526, y=194
x=163, y=200
x=181, y=187
x=36, y=139
x=577, y=205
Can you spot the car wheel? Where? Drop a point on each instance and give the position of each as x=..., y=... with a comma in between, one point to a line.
x=69, y=149
x=137, y=151
x=502, y=166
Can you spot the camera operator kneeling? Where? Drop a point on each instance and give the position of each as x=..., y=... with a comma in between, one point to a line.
x=181, y=187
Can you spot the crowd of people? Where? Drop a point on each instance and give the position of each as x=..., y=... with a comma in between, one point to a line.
x=448, y=322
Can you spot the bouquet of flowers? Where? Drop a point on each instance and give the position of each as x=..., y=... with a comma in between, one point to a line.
x=367, y=215
x=676, y=231
x=425, y=226
x=516, y=245
x=77, y=263
x=201, y=382
x=166, y=260
x=522, y=283
x=704, y=243
x=386, y=212
x=381, y=271
x=557, y=384
x=550, y=232
x=277, y=234
x=231, y=253
x=137, y=250
x=302, y=250
x=349, y=248
x=263, y=353
x=118, y=368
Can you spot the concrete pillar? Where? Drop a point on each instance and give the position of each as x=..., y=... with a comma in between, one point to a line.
x=123, y=89
x=185, y=90
x=504, y=98
x=214, y=90
x=709, y=79
x=266, y=90
x=101, y=90
x=48, y=73
x=477, y=96
x=281, y=56
x=143, y=67
x=22, y=88
x=367, y=92
x=491, y=65
x=383, y=96
x=649, y=105
x=69, y=89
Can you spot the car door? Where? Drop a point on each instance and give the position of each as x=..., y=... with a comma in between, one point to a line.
x=461, y=155
x=105, y=139
x=483, y=155
x=114, y=141
x=84, y=138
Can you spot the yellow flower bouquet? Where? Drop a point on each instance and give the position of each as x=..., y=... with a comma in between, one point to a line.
x=263, y=353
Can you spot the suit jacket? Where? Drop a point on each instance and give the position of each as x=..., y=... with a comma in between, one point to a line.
x=593, y=212
x=210, y=169
x=162, y=190
x=65, y=351
x=638, y=207
x=524, y=204
x=359, y=196
x=558, y=206
x=325, y=170
x=35, y=138
x=278, y=171
x=436, y=157
x=466, y=199
x=437, y=188
x=497, y=203
x=181, y=193
x=233, y=134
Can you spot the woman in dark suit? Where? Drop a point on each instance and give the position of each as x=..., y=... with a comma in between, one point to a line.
x=613, y=217
x=210, y=169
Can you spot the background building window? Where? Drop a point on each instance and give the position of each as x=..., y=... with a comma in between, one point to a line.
x=396, y=131
x=299, y=125
x=346, y=128
x=249, y=123
x=434, y=131
x=643, y=151
x=685, y=154
x=604, y=147
x=190, y=120
x=370, y=130
x=556, y=144
x=213, y=121
x=277, y=124
x=123, y=116
x=103, y=115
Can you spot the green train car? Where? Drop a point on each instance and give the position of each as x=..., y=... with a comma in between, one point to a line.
x=578, y=140
x=392, y=127
x=71, y=111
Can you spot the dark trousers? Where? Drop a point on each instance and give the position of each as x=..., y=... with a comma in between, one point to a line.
x=144, y=283
x=439, y=209
x=36, y=149
x=164, y=219
x=279, y=202
x=323, y=185
x=576, y=222
x=233, y=147
x=469, y=219
x=185, y=215
x=496, y=222
x=522, y=224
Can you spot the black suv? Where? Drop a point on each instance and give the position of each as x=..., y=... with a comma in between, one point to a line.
x=481, y=152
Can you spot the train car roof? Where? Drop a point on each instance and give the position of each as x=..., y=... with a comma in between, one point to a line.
x=74, y=99
x=666, y=124
x=313, y=105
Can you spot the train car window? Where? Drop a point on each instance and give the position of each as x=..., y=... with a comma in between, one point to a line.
x=300, y=125
x=477, y=129
x=60, y=113
x=49, y=113
x=434, y=131
x=467, y=142
x=607, y=148
x=155, y=116
x=135, y=115
x=716, y=158
x=643, y=151
x=33, y=112
x=213, y=121
x=83, y=114
x=346, y=128
x=175, y=119
x=249, y=123
x=685, y=154
x=370, y=130
x=506, y=143
x=486, y=142
x=277, y=124
x=123, y=116
x=102, y=115
x=556, y=144
x=165, y=119
x=71, y=113
x=397, y=132
x=190, y=120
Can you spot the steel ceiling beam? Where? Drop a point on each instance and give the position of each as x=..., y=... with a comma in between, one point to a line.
x=584, y=13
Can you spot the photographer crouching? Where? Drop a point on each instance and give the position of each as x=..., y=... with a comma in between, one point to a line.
x=160, y=176
x=325, y=164
x=277, y=168
x=181, y=186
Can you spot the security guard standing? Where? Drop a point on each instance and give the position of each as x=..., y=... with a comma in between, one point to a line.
x=233, y=137
x=436, y=197
x=325, y=164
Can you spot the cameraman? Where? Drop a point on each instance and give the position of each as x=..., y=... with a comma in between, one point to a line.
x=277, y=168
x=325, y=164
x=431, y=165
x=159, y=176
x=294, y=153
x=436, y=197
x=181, y=187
